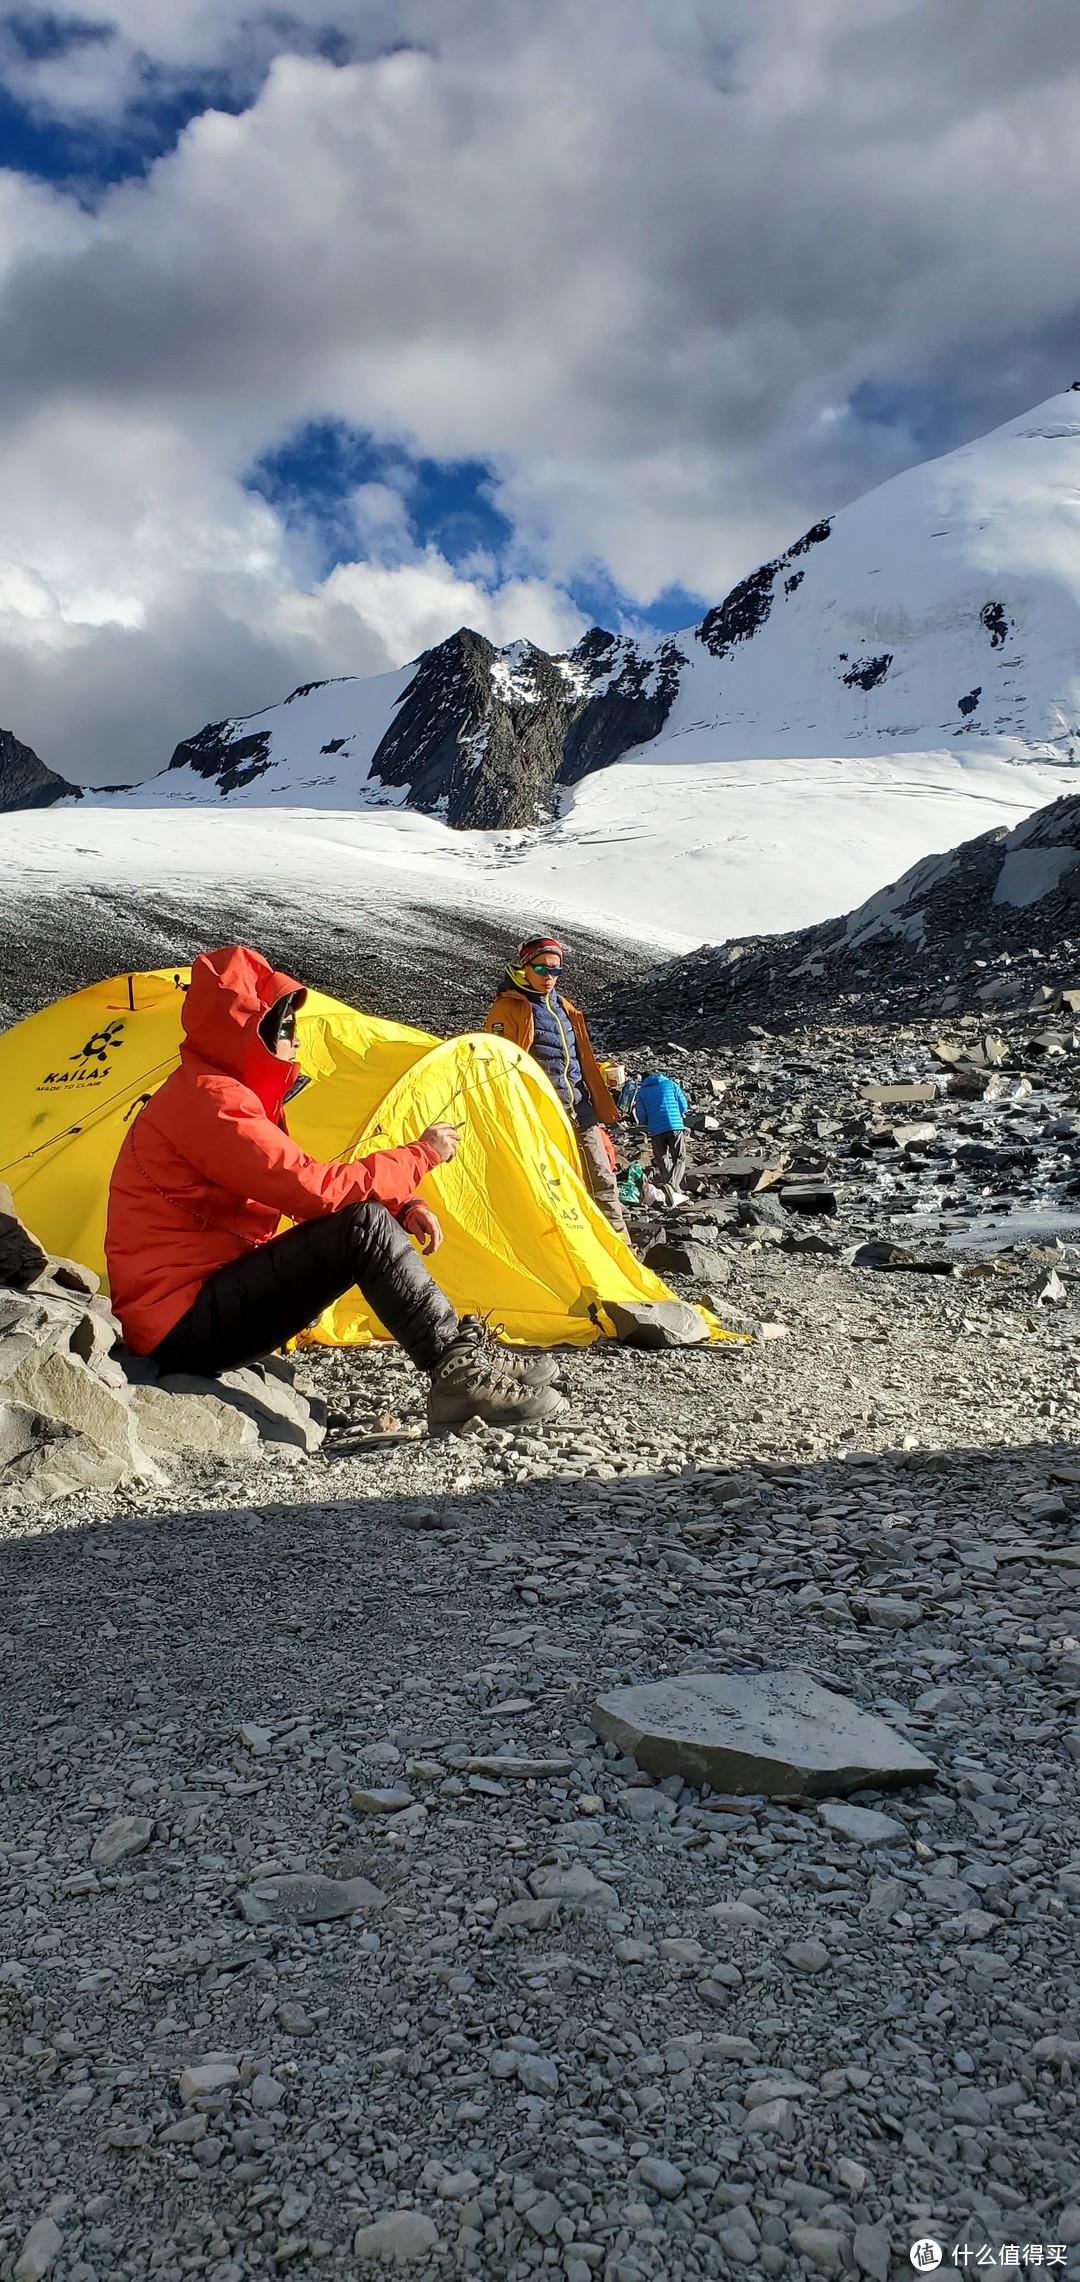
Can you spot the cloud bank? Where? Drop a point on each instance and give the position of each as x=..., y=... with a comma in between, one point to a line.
x=682, y=280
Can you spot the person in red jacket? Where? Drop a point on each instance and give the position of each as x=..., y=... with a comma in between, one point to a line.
x=199, y=1277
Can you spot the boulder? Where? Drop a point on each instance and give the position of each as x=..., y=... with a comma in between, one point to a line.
x=657, y=1323
x=65, y=1275
x=760, y=1211
x=21, y=1256
x=18, y=1432
x=56, y=1465
x=772, y=1734
x=67, y=1392
x=686, y=1258
x=176, y=1425
x=278, y=1410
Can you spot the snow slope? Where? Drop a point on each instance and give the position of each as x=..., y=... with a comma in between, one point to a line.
x=654, y=851
x=902, y=679
x=942, y=609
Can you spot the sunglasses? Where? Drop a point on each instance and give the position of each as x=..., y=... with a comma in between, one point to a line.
x=538, y=969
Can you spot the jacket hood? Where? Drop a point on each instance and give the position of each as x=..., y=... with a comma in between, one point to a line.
x=230, y=992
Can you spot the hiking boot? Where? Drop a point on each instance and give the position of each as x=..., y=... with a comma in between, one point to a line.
x=475, y=1379
x=532, y=1370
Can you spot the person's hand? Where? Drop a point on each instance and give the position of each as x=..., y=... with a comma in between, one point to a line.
x=419, y=1221
x=444, y=1140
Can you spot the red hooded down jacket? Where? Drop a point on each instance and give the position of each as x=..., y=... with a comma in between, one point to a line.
x=208, y=1170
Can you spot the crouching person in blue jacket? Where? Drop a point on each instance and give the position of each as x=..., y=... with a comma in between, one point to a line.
x=660, y=1106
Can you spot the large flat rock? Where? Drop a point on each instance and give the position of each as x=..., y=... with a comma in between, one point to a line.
x=773, y=1734
x=658, y=1323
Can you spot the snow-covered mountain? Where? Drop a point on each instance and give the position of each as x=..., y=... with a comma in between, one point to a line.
x=941, y=610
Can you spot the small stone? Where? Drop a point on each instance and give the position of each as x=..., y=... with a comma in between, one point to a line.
x=543, y=2216
x=129, y=1834
x=686, y=1259
x=889, y=1612
x=41, y=2246
x=740, y=1914
x=207, y=2077
x=257, y=1740
x=186, y=2133
x=175, y=1424
x=807, y=1956
x=864, y=1824
x=823, y=2246
x=773, y=2116
x=854, y=2176
x=737, y=2243
x=294, y=2021
x=574, y=1886
x=677, y=1951
x=647, y=1806
x=393, y=1800
x=536, y=2073
x=402, y=2238
x=1067, y=2228
x=531, y=1917
x=776, y=2087
x=885, y=1895
x=664, y=2178
x=871, y=2249
x=303, y=1897
x=265, y=2093
x=458, y=2186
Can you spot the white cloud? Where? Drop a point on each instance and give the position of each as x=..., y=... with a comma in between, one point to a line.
x=640, y=266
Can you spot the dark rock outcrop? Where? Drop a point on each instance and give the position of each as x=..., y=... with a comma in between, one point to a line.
x=485, y=737
x=214, y=752
x=747, y=607
x=25, y=782
x=993, y=923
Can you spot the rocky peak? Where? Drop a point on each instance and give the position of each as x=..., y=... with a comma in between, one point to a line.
x=25, y=782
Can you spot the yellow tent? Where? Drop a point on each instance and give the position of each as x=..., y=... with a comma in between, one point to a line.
x=523, y=1237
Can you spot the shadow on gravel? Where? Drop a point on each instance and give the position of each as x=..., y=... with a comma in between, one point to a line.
x=436, y=967
x=835, y=1562
x=216, y=1679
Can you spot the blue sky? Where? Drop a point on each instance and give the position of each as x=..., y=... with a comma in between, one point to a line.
x=448, y=504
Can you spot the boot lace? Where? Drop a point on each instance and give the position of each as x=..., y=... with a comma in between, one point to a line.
x=484, y=1359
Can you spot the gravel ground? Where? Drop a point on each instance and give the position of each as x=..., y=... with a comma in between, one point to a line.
x=596, y=2091
x=430, y=967
x=535, y=2047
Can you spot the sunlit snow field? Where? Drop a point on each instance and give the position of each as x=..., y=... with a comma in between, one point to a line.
x=662, y=852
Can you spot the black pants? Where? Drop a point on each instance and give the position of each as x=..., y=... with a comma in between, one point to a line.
x=669, y=1158
x=257, y=1302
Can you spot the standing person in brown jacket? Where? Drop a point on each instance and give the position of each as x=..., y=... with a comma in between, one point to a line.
x=531, y=1011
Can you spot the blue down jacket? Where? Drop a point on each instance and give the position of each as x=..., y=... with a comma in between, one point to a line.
x=660, y=1105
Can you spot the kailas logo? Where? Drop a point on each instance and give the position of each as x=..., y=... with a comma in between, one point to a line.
x=89, y=1064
